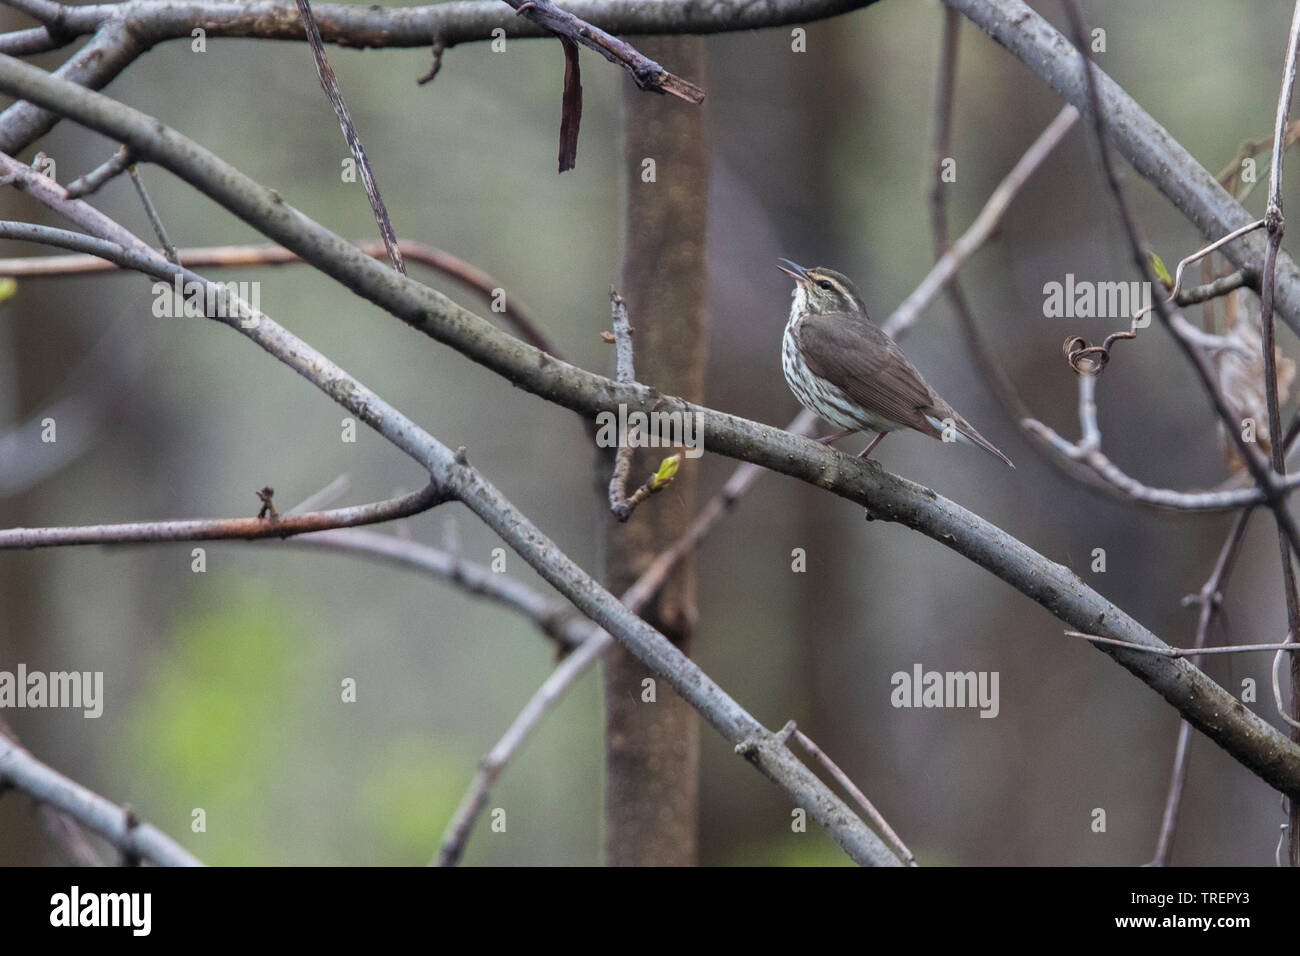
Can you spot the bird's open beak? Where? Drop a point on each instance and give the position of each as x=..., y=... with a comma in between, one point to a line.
x=793, y=270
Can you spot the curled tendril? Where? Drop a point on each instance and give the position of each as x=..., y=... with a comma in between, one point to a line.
x=1088, y=359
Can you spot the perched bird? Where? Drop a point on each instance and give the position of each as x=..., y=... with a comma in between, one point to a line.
x=845, y=369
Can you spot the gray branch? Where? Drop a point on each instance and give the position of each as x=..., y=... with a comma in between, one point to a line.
x=1211, y=709
x=1156, y=155
x=123, y=31
x=18, y=768
x=451, y=474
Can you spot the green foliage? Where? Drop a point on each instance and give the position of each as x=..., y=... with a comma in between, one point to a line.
x=813, y=848
x=409, y=795
x=219, y=708
x=240, y=714
x=666, y=473
x=1158, y=266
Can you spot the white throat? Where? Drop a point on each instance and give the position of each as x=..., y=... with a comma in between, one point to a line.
x=799, y=304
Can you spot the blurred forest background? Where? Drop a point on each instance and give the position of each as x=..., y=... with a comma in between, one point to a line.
x=223, y=688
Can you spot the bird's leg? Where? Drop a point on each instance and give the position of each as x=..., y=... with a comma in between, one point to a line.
x=829, y=439
x=866, y=452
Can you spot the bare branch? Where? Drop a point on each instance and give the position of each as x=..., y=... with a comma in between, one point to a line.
x=1276, y=225
x=1217, y=244
x=202, y=257
x=1087, y=450
x=115, y=165
x=953, y=258
x=1289, y=535
x=18, y=768
x=646, y=73
x=1210, y=599
x=1277, y=688
x=223, y=529
x=475, y=800
x=557, y=622
x=1179, y=652
x=377, y=26
x=330, y=84
x=60, y=828
x=620, y=503
x=593, y=641
x=944, y=107
x=450, y=472
x=151, y=213
x=847, y=783
x=1155, y=154
x=1211, y=709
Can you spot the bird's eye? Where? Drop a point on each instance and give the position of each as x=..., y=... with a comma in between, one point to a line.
x=826, y=284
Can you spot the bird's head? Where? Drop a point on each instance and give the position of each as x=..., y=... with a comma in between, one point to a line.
x=820, y=290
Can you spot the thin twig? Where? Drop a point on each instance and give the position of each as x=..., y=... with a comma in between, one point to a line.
x=330, y=84
x=435, y=66
x=324, y=497
x=59, y=827
x=1179, y=652
x=1087, y=451
x=223, y=529
x=1249, y=453
x=554, y=619
x=270, y=254
x=1243, y=734
x=155, y=220
x=945, y=97
x=1277, y=681
x=451, y=471
x=1097, y=357
x=1276, y=226
x=847, y=783
x=941, y=149
x=593, y=642
x=1210, y=599
x=115, y=165
x=624, y=373
x=620, y=503
x=1205, y=251
x=646, y=73
x=954, y=257
x=46, y=11
x=476, y=797
x=18, y=768
x=1219, y=287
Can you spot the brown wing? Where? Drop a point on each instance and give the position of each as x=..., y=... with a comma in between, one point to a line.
x=863, y=361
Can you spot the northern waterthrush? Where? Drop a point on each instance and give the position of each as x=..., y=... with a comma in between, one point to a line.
x=846, y=370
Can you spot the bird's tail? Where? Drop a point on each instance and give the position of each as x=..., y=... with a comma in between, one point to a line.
x=966, y=432
x=978, y=439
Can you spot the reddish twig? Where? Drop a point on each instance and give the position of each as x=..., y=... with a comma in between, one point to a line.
x=267, y=525
x=270, y=254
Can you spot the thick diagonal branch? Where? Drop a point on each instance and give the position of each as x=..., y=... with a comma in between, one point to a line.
x=1211, y=709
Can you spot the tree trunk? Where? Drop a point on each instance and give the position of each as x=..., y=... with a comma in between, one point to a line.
x=652, y=748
